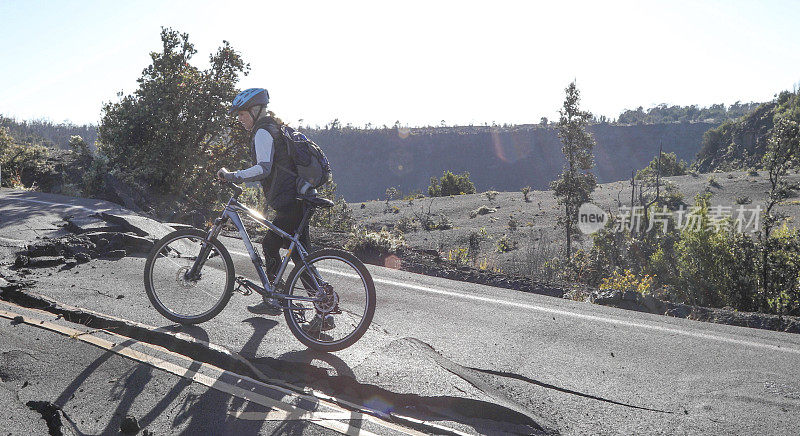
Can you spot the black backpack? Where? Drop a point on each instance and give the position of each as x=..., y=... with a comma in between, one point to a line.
x=310, y=162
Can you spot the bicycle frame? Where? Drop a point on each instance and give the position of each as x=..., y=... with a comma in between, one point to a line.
x=231, y=212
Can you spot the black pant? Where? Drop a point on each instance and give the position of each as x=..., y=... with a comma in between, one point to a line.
x=286, y=219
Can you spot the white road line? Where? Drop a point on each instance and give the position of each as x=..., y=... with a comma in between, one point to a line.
x=552, y=311
x=549, y=310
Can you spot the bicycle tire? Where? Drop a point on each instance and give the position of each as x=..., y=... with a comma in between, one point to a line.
x=152, y=294
x=315, y=343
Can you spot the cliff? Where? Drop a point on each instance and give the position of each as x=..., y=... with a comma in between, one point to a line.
x=366, y=162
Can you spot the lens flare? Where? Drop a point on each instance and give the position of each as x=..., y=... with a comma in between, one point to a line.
x=510, y=147
x=392, y=261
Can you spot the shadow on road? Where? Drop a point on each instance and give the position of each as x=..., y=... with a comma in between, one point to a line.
x=200, y=414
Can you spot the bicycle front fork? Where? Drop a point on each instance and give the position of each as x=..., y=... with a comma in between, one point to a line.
x=205, y=248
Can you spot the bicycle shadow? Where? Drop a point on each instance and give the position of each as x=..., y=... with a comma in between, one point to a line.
x=201, y=414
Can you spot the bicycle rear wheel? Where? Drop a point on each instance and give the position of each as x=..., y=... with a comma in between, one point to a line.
x=348, y=294
x=183, y=299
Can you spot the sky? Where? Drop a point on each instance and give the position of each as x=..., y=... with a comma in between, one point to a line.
x=417, y=62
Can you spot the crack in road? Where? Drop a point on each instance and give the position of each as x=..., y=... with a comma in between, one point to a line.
x=14, y=293
x=349, y=388
x=564, y=390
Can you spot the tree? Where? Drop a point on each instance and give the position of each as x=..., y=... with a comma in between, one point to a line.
x=783, y=149
x=78, y=145
x=667, y=166
x=574, y=185
x=173, y=133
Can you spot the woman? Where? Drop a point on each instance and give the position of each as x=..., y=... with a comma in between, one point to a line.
x=269, y=156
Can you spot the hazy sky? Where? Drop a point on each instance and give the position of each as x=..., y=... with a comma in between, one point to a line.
x=419, y=62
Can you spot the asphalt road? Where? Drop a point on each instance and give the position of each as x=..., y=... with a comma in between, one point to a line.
x=485, y=359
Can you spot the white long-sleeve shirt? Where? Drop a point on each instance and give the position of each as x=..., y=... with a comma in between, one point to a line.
x=264, y=158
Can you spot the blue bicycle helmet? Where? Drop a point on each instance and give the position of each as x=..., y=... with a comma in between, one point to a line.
x=249, y=98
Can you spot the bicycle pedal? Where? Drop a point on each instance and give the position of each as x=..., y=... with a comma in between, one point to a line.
x=245, y=291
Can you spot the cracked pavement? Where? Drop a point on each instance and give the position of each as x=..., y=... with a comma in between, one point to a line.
x=473, y=358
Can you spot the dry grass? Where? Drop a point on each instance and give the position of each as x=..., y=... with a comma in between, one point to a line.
x=540, y=239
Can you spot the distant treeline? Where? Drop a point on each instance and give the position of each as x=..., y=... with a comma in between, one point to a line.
x=48, y=134
x=716, y=113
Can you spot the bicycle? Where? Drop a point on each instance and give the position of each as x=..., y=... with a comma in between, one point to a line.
x=189, y=278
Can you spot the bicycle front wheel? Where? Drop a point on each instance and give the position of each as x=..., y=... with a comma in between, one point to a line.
x=347, y=300
x=173, y=292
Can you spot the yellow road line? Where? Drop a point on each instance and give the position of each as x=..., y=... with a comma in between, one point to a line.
x=284, y=410
x=263, y=380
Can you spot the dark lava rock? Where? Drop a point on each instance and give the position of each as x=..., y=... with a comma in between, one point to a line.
x=630, y=296
x=90, y=223
x=44, y=248
x=116, y=254
x=50, y=413
x=129, y=426
x=678, y=310
x=607, y=297
x=140, y=225
x=136, y=244
x=21, y=261
x=82, y=257
x=45, y=261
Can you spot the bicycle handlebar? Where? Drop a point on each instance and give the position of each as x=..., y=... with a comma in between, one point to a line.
x=237, y=191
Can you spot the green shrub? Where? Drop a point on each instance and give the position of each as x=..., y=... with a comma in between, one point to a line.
x=669, y=166
x=406, y=225
x=627, y=281
x=506, y=244
x=716, y=267
x=435, y=222
x=526, y=191
x=451, y=184
x=474, y=240
x=713, y=182
x=669, y=196
x=413, y=196
x=512, y=224
x=16, y=157
x=383, y=242
x=392, y=193
x=783, y=293
x=459, y=256
x=94, y=177
x=339, y=217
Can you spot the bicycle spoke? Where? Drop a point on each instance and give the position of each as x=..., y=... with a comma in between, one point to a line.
x=345, y=302
x=177, y=297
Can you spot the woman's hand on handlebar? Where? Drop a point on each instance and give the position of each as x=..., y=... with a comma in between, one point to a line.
x=224, y=175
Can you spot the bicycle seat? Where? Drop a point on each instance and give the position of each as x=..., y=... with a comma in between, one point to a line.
x=315, y=201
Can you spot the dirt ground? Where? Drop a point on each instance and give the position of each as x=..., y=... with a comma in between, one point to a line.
x=537, y=233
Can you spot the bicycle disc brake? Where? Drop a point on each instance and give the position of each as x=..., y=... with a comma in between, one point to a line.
x=326, y=299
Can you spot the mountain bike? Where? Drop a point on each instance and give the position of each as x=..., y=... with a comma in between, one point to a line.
x=189, y=278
